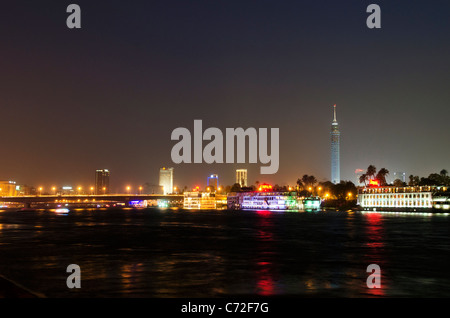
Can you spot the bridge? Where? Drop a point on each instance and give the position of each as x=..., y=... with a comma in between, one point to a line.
x=89, y=199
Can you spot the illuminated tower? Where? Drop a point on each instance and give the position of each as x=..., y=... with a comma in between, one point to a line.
x=213, y=181
x=335, y=164
x=166, y=179
x=102, y=181
x=241, y=177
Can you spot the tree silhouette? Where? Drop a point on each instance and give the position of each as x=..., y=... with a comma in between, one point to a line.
x=381, y=176
x=363, y=178
x=371, y=171
x=236, y=187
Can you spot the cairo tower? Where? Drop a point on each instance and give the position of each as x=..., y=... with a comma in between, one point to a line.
x=335, y=163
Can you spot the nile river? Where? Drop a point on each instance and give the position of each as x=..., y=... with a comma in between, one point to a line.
x=178, y=253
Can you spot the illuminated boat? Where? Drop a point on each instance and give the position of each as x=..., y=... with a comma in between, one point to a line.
x=263, y=199
x=312, y=204
x=199, y=200
x=441, y=201
x=412, y=198
x=62, y=211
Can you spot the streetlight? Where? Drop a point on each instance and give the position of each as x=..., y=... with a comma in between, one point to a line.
x=92, y=190
x=128, y=189
x=40, y=190
x=349, y=195
x=79, y=190
x=140, y=190
x=54, y=190
x=104, y=190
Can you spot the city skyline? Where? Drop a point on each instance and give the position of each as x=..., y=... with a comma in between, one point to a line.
x=109, y=95
x=288, y=149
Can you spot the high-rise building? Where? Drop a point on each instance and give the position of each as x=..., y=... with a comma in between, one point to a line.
x=102, y=181
x=241, y=177
x=213, y=181
x=335, y=163
x=399, y=175
x=166, y=179
x=9, y=188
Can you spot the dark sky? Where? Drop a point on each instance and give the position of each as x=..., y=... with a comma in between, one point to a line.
x=108, y=95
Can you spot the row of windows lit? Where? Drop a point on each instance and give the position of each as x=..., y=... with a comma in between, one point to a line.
x=398, y=203
x=401, y=189
x=396, y=196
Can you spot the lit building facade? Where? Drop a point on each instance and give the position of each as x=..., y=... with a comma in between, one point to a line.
x=241, y=177
x=166, y=179
x=9, y=188
x=335, y=157
x=102, y=181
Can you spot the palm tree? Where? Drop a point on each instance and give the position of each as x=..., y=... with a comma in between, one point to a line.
x=300, y=184
x=411, y=180
x=308, y=181
x=381, y=176
x=363, y=178
x=312, y=181
x=444, y=177
x=305, y=179
x=371, y=171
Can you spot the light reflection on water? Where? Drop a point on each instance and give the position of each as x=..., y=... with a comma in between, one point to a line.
x=166, y=253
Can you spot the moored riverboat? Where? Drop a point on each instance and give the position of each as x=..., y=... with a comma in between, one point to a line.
x=403, y=199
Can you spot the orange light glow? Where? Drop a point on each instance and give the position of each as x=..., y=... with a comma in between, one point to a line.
x=265, y=187
x=373, y=182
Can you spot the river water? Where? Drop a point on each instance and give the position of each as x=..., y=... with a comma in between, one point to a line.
x=178, y=253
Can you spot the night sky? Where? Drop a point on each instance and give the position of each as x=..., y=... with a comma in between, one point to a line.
x=108, y=95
